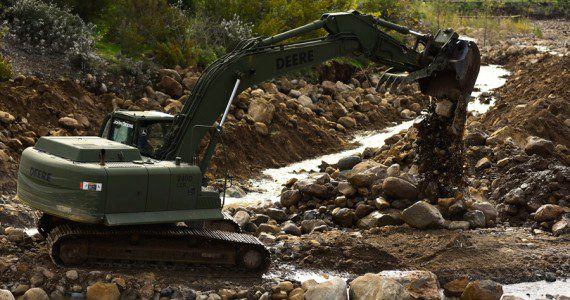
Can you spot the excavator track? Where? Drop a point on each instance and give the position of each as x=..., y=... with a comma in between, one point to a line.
x=134, y=246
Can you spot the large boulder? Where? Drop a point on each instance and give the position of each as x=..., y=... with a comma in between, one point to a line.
x=6, y=117
x=242, y=218
x=6, y=295
x=378, y=219
x=36, y=294
x=488, y=210
x=362, y=179
x=539, y=146
x=103, y=291
x=344, y=216
x=348, y=162
x=395, y=285
x=312, y=189
x=290, y=198
x=333, y=289
x=261, y=111
x=476, y=218
x=548, y=212
x=399, y=189
x=170, y=73
x=347, y=122
x=482, y=290
x=422, y=215
x=171, y=87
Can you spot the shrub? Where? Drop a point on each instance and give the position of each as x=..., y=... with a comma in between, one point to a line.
x=138, y=26
x=46, y=28
x=5, y=70
x=219, y=35
x=184, y=53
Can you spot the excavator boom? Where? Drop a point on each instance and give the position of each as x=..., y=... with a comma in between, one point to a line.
x=348, y=34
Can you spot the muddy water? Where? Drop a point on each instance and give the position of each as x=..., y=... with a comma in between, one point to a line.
x=270, y=185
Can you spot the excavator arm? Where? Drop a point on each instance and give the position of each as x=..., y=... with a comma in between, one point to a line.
x=348, y=34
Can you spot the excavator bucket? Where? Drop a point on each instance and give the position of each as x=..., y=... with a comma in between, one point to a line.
x=457, y=78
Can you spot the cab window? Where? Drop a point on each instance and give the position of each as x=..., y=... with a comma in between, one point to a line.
x=122, y=131
x=152, y=137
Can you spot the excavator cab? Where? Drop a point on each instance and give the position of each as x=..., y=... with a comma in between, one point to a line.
x=145, y=130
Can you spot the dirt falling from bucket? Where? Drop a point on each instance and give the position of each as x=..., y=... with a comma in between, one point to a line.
x=439, y=149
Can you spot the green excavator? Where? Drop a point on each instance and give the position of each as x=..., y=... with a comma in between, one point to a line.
x=136, y=193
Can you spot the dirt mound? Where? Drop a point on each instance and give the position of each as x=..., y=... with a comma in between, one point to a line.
x=32, y=108
x=536, y=104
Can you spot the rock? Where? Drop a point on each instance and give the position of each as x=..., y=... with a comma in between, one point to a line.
x=171, y=87
x=305, y=101
x=329, y=88
x=15, y=144
x=476, y=218
x=36, y=280
x=103, y=291
x=482, y=290
x=190, y=82
x=6, y=295
x=515, y=196
x=291, y=228
x=399, y=189
x=362, y=179
x=235, y=192
x=69, y=122
x=370, y=221
x=482, y=164
x=265, y=227
x=362, y=210
x=347, y=122
x=333, y=289
x=395, y=285
x=36, y=294
x=488, y=210
x=347, y=163
x=72, y=275
x=346, y=188
x=338, y=110
x=548, y=212
x=475, y=138
x=381, y=203
x=16, y=235
x=295, y=93
x=455, y=287
x=312, y=189
x=160, y=97
x=277, y=214
x=242, y=218
x=561, y=227
x=6, y=117
x=344, y=216
x=267, y=238
x=170, y=73
x=422, y=215
x=308, y=225
x=444, y=108
x=173, y=106
x=286, y=286
x=458, y=225
x=514, y=297
x=393, y=170
x=290, y=198
x=407, y=114
x=539, y=146
x=261, y=128
x=261, y=111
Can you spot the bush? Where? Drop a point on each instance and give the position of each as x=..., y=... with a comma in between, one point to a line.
x=5, y=70
x=46, y=28
x=220, y=35
x=138, y=26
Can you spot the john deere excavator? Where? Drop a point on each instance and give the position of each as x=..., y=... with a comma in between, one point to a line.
x=136, y=194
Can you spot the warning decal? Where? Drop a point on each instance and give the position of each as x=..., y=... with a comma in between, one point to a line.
x=91, y=186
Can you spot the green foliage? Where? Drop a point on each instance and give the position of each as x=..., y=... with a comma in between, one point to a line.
x=46, y=28
x=184, y=53
x=5, y=69
x=138, y=26
x=394, y=11
x=88, y=10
